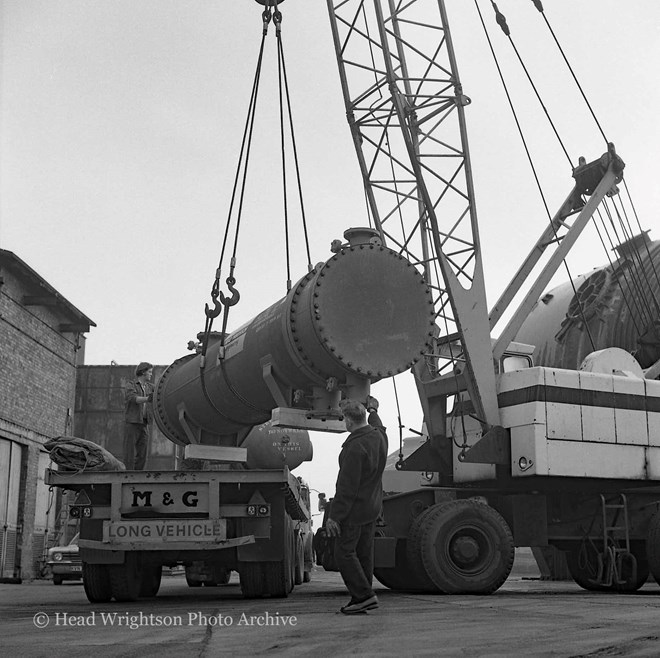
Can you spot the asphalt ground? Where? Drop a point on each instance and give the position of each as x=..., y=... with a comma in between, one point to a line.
x=526, y=617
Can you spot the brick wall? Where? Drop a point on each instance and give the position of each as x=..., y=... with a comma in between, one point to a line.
x=41, y=343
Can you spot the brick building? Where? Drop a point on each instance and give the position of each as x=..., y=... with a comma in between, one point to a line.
x=41, y=344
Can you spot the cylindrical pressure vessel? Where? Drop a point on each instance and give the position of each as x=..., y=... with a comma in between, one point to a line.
x=611, y=306
x=364, y=314
x=274, y=447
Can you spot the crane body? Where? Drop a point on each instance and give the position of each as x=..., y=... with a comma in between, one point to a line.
x=516, y=454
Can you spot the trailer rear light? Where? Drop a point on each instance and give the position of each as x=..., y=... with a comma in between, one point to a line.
x=258, y=510
x=80, y=511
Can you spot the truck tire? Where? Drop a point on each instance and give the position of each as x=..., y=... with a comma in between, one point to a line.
x=466, y=547
x=299, y=566
x=222, y=576
x=57, y=579
x=96, y=581
x=279, y=576
x=308, y=558
x=252, y=579
x=653, y=547
x=126, y=579
x=150, y=584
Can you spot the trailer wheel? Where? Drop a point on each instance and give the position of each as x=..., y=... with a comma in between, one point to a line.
x=96, y=581
x=466, y=547
x=150, y=584
x=308, y=558
x=251, y=577
x=277, y=576
x=222, y=575
x=126, y=579
x=653, y=547
x=191, y=579
x=299, y=566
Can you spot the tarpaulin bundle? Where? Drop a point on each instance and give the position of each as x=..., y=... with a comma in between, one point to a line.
x=73, y=454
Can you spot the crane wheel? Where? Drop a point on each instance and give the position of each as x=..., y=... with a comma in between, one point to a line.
x=466, y=547
x=589, y=569
x=653, y=547
x=414, y=554
x=401, y=577
x=633, y=571
x=96, y=581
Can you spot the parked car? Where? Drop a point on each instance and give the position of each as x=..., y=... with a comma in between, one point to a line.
x=64, y=562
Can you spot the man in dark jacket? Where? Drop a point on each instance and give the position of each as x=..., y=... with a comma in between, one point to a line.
x=357, y=502
x=138, y=396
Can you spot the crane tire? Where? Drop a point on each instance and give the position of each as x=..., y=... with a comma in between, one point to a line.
x=466, y=547
x=653, y=547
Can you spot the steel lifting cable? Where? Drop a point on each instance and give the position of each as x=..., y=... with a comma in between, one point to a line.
x=539, y=5
x=642, y=303
x=639, y=226
x=401, y=426
x=284, y=94
x=217, y=297
x=635, y=273
x=605, y=249
x=501, y=21
x=627, y=229
x=632, y=302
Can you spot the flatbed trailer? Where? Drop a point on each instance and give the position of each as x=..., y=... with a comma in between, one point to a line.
x=132, y=523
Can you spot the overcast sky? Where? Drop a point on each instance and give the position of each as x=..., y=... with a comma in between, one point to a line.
x=120, y=127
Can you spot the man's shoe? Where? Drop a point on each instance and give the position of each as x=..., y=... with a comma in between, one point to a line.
x=355, y=607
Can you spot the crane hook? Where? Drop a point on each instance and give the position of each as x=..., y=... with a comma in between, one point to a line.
x=235, y=295
x=217, y=308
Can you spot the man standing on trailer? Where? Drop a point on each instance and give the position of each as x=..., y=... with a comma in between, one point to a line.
x=357, y=502
x=138, y=395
